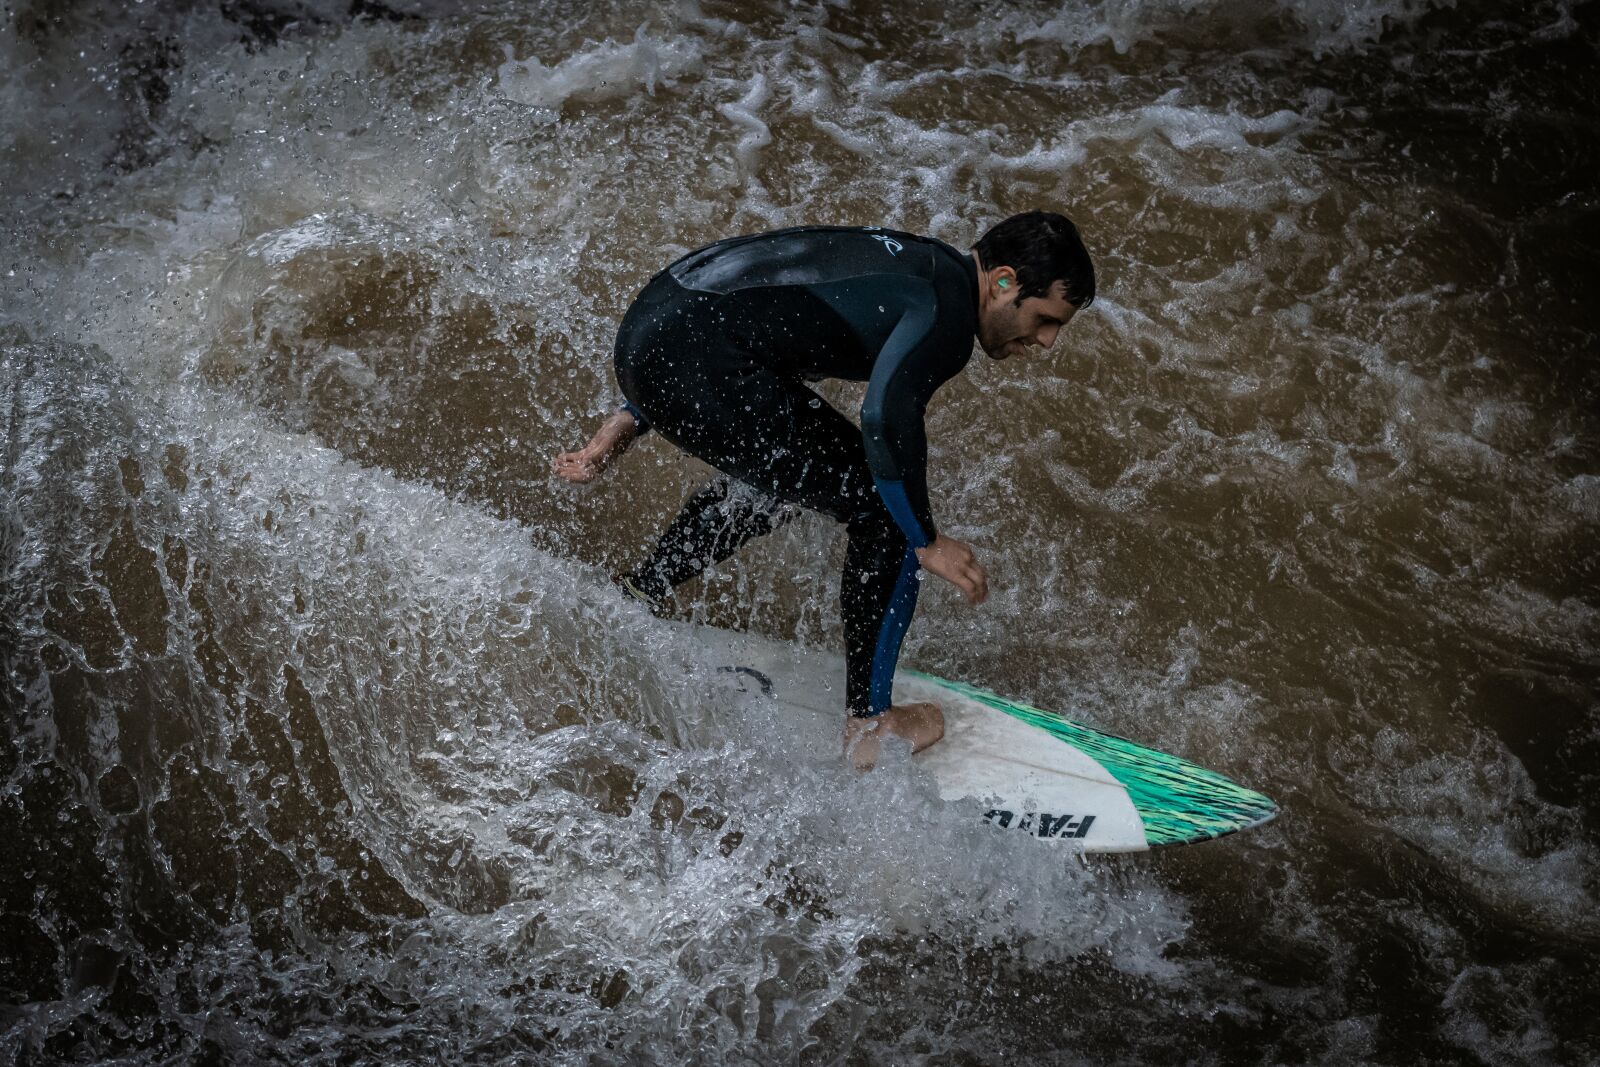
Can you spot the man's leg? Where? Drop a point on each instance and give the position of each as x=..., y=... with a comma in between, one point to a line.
x=782, y=439
x=715, y=521
x=877, y=597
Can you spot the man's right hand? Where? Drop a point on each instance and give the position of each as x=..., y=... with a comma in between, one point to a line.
x=579, y=467
x=590, y=461
x=954, y=561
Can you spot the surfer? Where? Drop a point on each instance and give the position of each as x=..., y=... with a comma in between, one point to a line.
x=715, y=352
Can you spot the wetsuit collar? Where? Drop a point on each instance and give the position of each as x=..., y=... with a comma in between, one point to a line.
x=971, y=264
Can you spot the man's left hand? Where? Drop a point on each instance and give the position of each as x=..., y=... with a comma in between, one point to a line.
x=955, y=562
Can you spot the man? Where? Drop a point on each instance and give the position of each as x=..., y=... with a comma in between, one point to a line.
x=714, y=353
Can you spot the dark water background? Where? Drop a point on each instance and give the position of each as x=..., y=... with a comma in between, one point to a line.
x=327, y=743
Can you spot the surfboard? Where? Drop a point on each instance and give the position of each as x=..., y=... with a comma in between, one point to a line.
x=1024, y=770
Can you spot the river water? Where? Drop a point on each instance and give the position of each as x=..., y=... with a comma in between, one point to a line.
x=327, y=741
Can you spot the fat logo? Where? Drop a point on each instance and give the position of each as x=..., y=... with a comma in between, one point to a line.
x=890, y=243
x=1042, y=824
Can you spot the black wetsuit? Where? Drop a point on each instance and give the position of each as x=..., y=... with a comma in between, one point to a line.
x=714, y=354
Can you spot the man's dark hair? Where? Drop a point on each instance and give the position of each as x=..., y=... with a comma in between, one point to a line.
x=1043, y=248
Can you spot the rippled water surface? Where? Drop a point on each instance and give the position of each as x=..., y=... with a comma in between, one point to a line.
x=327, y=741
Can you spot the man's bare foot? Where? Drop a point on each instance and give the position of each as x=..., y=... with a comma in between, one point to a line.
x=921, y=724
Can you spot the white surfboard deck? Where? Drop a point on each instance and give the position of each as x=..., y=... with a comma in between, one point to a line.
x=1024, y=770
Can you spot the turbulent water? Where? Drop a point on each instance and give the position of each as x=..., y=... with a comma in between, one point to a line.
x=328, y=742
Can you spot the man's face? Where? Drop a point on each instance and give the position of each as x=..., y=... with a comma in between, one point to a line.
x=1010, y=326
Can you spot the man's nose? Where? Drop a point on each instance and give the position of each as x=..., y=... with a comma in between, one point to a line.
x=1047, y=336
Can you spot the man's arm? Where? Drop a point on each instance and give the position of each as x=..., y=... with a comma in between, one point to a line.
x=910, y=367
x=898, y=392
x=611, y=440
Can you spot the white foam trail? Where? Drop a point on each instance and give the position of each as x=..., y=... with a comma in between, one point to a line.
x=604, y=71
x=745, y=114
x=1323, y=26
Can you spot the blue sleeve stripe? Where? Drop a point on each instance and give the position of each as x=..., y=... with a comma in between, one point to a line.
x=899, y=505
x=902, y=604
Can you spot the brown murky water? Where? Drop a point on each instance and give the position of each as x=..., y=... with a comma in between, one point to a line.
x=327, y=742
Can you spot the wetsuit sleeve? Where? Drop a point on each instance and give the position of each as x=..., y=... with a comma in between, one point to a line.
x=641, y=425
x=912, y=364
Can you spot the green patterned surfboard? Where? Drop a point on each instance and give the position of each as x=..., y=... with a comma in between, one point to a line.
x=1023, y=769
x=1177, y=802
